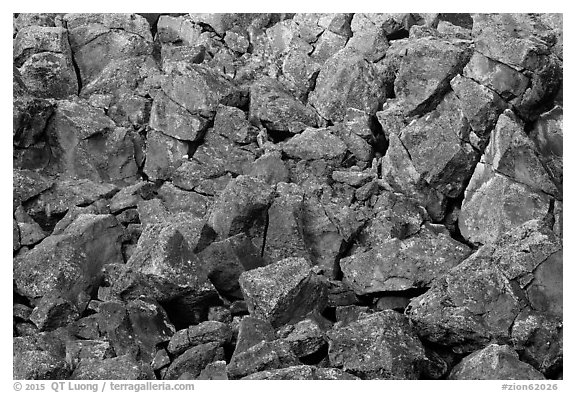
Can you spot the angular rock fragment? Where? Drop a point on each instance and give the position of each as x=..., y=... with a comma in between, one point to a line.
x=227, y=259
x=30, y=232
x=425, y=72
x=180, y=201
x=538, y=339
x=509, y=187
x=502, y=79
x=316, y=144
x=29, y=114
x=163, y=155
x=53, y=312
x=494, y=362
x=270, y=168
x=50, y=75
x=530, y=52
x=214, y=371
x=169, y=117
x=204, y=333
x=98, y=40
x=177, y=29
x=306, y=338
x=480, y=105
x=135, y=328
x=284, y=291
x=70, y=263
x=85, y=143
x=277, y=109
x=262, y=356
x=194, y=360
x=284, y=235
x=231, y=123
x=548, y=140
x=39, y=357
x=163, y=267
x=382, y=346
x=345, y=81
x=76, y=351
x=395, y=217
x=239, y=206
x=479, y=300
x=119, y=368
x=398, y=265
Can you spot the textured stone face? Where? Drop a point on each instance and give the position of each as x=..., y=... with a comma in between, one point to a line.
x=486, y=293
x=426, y=70
x=283, y=291
x=381, y=346
x=494, y=362
x=71, y=262
x=345, y=81
x=277, y=196
x=398, y=265
x=240, y=204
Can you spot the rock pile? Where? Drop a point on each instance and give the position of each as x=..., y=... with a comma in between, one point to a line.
x=287, y=196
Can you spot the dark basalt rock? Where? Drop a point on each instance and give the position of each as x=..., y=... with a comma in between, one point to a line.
x=494, y=362
x=382, y=346
x=284, y=291
x=287, y=196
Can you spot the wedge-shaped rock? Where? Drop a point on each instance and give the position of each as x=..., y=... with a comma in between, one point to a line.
x=438, y=149
x=426, y=70
x=204, y=333
x=172, y=119
x=316, y=144
x=509, y=187
x=277, y=109
x=163, y=155
x=512, y=153
x=380, y=346
x=480, y=105
x=306, y=338
x=99, y=40
x=134, y=328
x=71, y=262
x=32, y=40
x=345, y=81
x=395, y=216
x=85, y=143
x=163, y=266
x=252, y=331
x=227, y=259
x=494, y=362
x=479, y=300
x=284, y=236
x=548, y=138
x=284, y=291
x=239, y=206
x=39, y=356
x=199, y=90
x=398, y=265
x=260, y=357
x=503, y=79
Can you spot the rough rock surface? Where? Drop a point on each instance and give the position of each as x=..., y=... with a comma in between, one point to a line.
x=494, y=362
x=284, y=291
x=382, y=346
x=287, y=196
